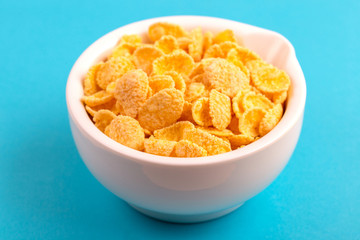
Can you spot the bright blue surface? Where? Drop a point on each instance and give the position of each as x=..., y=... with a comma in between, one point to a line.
x=47, y=193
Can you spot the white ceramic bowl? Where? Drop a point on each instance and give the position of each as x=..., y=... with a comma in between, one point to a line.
x=194, y=189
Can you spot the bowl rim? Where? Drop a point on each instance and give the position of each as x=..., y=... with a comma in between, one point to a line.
x=79, y=117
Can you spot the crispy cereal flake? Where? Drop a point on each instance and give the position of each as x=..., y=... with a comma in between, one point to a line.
x=144, y=56
x=131, y=91
x=90, y=86
x=178, y=80
x=162, y=109
x=255, y=100
x=271, y=80
x=160, y=82
x=225, y=77
x=196, y=46
x=194, y=91
x=131, y=38
x=159, y=146
x=220, y=109
x=186, y=115
x=127, y=131
x=245, y=55
x=98, y=98
x=208, y=36
x=240, y=140
x=217, y=132
x=185, y=148
x=124, y=49
x=103, y=118
x=271, y=119
x=173, y=132
x=213, y=145
x=178, y=61
x=200, y=112
x=214, y=51
x=250, y=120
x=113, y=69
x=167, y=44
x=157, y=30
x=226, y=35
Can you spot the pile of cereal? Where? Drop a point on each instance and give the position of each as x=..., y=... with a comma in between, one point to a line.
x=185, y=94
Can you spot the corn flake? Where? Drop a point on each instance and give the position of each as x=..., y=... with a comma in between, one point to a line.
x=186, y=114
x=207, y=42
x=255, y=100
x=234, y=125
x=131, y=91
x=250, y=120
x=178, y=61
x=184, y=42
x=214, y=51
x=157, y=30
x=185, y=148
x=127, y=131
x=160, y=82
x=113, y=69
x=240, y=140
x=213, y=145
x=200, y=112
x=219, y=109
x=167, y=44
x=173, y=132
x=103, y=118
x=162, y=109
x=124, y=49
x=98, y=98
x=159, y=146
x=144, y=56
x=217, y=132
x=271, y=80
x=178, y=80
x=131, y=38
x=225, y=77
x=194, y=91
x=226, y=35
x=245, y=55
x=271, y=119
x=196, y=46
x=90, y=86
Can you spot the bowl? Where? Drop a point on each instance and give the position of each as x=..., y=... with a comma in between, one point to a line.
x=192, y=189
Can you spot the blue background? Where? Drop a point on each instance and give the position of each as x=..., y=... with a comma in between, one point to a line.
x=46, y=192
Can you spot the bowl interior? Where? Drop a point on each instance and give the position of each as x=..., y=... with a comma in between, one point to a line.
x=271, y=46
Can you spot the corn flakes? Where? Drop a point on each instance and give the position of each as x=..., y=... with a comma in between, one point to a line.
x=144, y=56
x=159, y=147
x=160, y=82
x=103, y=118
x=173, y=132
x=185, y=94
x=162, y=109
x=157, y=30
x=271, y=119
x=212, y=144
x=112, y=69
x=219, y=109
x=127, y=131
x=185, y=148
x=178, y=61
x=200, y=112
x=131, y=91
x=167, y=44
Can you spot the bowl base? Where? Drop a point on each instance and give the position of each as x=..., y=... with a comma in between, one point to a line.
x=179, y=218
